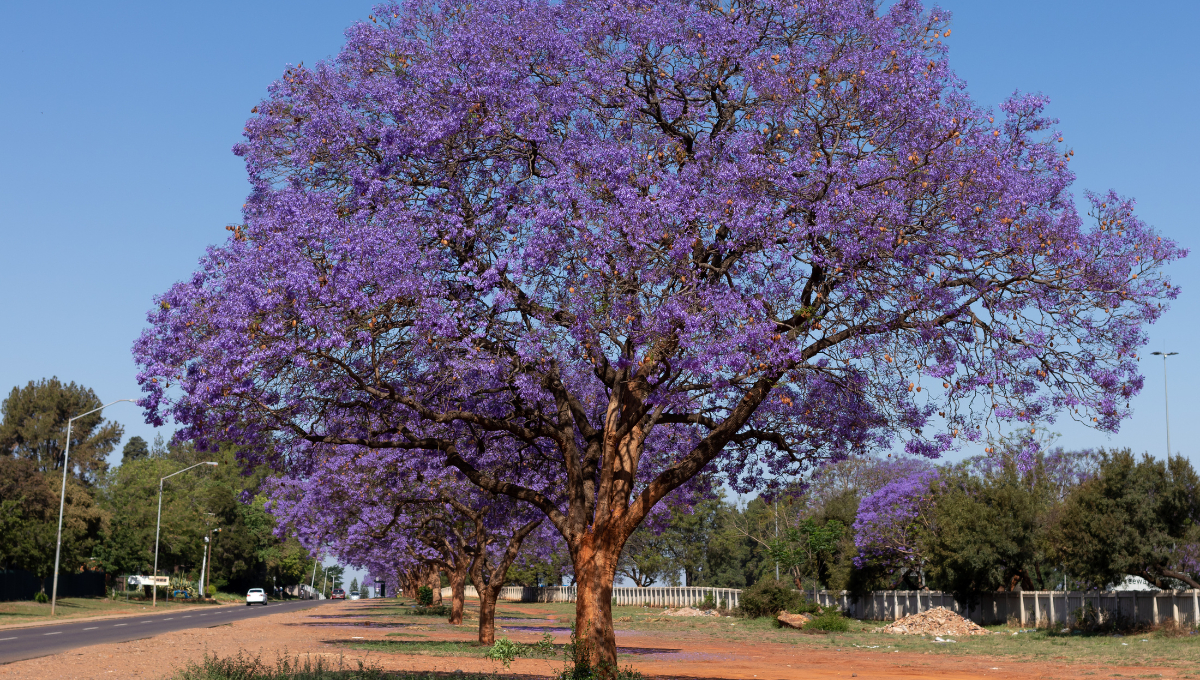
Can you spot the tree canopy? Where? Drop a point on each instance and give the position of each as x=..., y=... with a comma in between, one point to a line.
x=629, y=243
x=33, y=425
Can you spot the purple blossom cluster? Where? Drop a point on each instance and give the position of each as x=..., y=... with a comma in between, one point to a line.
x=890, y=521
x=616, y=246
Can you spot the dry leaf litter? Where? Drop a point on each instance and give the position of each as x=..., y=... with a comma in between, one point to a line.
x=689, y=611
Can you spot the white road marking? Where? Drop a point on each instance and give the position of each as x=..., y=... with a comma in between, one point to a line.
x=188, y=616
x=92, y=628
x=170, y=619
x=57, y=632
x=123, y=624
x=4, y=639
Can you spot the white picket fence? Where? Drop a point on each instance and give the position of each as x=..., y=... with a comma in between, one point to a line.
x=624, y=597
x=1032, y=608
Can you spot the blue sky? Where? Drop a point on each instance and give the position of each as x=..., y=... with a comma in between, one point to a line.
x=118, y=120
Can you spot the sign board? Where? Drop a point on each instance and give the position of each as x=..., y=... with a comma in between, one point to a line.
x=149, y=580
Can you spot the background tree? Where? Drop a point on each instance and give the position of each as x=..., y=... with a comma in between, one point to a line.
x=988, y=532
x=34, y=427
x=192, y=505
x=638, y=243
x=30, y=521
x=645, y=559
x=1134, y=517
x=135, y=449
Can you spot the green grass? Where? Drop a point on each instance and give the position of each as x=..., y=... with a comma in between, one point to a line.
x=1182, y=652
x=82, y=607
x=422, y=647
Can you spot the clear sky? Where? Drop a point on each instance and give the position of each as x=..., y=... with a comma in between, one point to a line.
x=116, y=171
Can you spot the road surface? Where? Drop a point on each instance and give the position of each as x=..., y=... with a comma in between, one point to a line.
x=28, y=643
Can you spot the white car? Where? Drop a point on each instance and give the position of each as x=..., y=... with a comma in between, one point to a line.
x=354, y=595
x=256, y=595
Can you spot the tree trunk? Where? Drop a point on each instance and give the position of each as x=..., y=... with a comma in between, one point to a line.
x=595, y=568
x=434, y=581
x=458, y=585
x=487, y=614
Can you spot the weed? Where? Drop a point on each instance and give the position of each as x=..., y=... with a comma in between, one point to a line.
x=245, y=667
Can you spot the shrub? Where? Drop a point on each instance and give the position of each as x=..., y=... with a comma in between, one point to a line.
x=830, y=619
x=768, y=597
x=440, y=610
x=708, y=602
x=424, y=596
x=41, y=597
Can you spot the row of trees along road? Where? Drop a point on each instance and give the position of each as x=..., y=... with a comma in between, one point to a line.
x=110, y=513
x=624, y=246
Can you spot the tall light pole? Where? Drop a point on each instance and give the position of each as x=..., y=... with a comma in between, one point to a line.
x=1166, y=402
x=208, y=577
x=62, y=498
x=158, y=525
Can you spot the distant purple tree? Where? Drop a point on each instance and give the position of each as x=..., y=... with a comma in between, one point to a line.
x=628, y=243
x=891, y=521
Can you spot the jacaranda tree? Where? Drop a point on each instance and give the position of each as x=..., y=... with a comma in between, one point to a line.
x=629, y=242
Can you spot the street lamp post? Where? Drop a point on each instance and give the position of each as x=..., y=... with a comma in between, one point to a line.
x=1166, y=402
x=209, y=547
x=158, y=525
x=62, y=498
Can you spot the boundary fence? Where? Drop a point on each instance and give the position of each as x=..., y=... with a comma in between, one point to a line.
x=1035, y=609
x=1032, y=608
x=726, y=598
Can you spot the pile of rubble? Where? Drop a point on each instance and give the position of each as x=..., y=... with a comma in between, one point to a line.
x=689, y=611
x=936, y=621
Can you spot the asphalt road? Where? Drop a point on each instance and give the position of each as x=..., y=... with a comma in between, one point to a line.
x=28, y=643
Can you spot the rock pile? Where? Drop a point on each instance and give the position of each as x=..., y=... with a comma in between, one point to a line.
x=793, y=620
x=689, y=611
x=936, y=621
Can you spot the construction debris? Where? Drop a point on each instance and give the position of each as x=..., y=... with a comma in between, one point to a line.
x=793, y=620
x=936, y=621
x=690, y=611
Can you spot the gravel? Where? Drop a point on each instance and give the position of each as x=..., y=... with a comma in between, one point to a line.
x=936, y=621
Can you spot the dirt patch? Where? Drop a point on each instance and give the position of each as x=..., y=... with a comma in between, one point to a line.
x=680, y=651
x=936, y=621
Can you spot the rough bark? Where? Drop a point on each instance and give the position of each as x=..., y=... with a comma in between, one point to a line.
x=595, y=569
x=487, y=614
x=458, y=586
x=495, y=578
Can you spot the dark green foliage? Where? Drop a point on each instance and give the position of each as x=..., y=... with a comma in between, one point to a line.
x=135, y=449
x=41, y=597
x=1135, y=517
x=424, y=596
x=989, y=532
x=245, y=553
x=34, y=427
x=768, y=597
x=29, y=519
